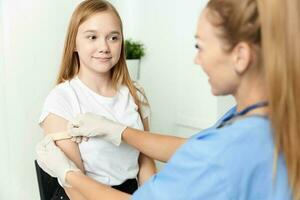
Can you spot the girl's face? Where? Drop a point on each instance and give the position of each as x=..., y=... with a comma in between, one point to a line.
x=215, y=62
x=99, y=42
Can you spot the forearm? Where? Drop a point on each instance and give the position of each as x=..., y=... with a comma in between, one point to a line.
x=74, y=194
x=72, y=151
x=93, y=190
x=158, y=147
x=147, y=168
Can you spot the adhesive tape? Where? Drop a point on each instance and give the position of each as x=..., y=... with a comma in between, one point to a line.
x=60, y=136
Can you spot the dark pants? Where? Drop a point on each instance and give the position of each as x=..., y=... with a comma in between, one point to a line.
x=129, y=186
x=60, y=194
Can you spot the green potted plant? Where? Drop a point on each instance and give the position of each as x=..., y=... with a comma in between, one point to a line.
x=134, y=51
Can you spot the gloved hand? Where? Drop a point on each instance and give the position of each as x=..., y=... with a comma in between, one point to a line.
x=53, y=161
x=91, y=125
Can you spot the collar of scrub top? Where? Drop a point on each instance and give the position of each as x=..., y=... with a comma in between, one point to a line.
x=232, y=117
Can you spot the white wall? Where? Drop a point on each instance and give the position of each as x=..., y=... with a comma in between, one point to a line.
x=31, y=40
x=4, y=166
x=33, y=35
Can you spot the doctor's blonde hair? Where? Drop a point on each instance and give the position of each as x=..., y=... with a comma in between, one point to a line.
x=273, y=28
x=70, y=64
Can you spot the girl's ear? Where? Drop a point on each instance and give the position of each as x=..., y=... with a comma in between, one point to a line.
x=242, y=57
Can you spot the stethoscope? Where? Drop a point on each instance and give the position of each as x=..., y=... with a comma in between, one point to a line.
x=231, y=118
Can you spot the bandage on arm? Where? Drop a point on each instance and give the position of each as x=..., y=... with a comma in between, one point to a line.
x=55, y=124
x=60, y=136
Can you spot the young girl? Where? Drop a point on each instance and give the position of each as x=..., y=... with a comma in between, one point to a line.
x=94, y=78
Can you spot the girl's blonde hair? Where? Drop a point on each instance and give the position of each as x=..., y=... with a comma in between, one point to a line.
x=273, y=27
x=70, y=64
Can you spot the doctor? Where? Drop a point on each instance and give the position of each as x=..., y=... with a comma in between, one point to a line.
x=251, y=153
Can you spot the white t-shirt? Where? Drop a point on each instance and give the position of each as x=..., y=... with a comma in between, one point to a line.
x=102, y=160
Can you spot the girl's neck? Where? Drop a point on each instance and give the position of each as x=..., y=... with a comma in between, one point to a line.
x=99, y=83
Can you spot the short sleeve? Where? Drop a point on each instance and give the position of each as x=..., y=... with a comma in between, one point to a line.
x=145, y=107
x=58, y=103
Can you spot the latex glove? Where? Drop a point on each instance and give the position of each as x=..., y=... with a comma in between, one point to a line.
x=53, y=161
x=91, y=125
x=79, y=139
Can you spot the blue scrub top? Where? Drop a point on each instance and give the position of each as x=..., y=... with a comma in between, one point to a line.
x=234, y=162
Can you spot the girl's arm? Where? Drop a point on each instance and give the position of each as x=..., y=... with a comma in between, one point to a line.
x=53, y=124
x=146, y=164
